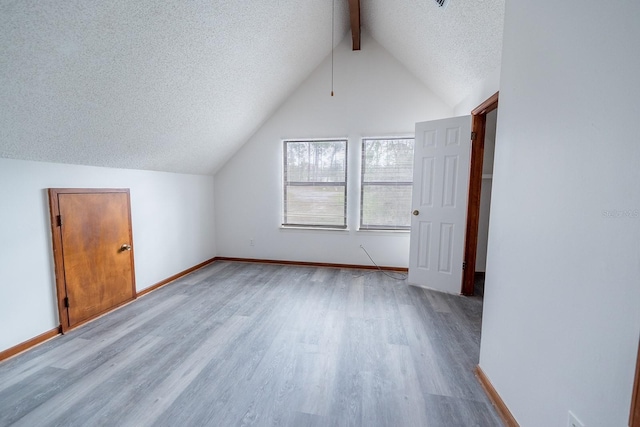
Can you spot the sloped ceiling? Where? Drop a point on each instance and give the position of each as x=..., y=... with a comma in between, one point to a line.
x=450, y=49
x=179, y=86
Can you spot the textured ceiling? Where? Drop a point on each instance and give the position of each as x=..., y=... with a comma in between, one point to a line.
x=450, y=50
x=180, y=85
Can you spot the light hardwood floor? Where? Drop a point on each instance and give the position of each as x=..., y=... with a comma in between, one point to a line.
x=240, y=344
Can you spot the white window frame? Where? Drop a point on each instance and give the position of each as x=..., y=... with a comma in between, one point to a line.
x=286, y=183
x=363, y=183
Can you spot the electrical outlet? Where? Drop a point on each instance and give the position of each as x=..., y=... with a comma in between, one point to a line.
x=250, y=242
x=574, y=421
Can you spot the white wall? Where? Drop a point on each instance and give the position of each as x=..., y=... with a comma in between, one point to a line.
x=485, y=192
x=173, y=229
x=482, y=91
x=374, y=96
x=562, y=300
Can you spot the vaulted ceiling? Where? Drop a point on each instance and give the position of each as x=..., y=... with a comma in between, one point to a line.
x=179, y=85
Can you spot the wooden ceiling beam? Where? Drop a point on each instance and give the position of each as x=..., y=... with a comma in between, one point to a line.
x=354, y=13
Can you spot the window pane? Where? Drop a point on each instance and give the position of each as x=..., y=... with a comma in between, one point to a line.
x=315, y=205
x=315, y=182
x=387, y=175
x=388, y=160
x=386, y=206
x=316, y=161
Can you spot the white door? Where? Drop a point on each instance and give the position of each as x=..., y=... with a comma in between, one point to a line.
x=440, y=185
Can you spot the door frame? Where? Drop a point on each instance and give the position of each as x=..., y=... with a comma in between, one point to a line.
x=58, y=260
x=634, y=416
x=478, y=127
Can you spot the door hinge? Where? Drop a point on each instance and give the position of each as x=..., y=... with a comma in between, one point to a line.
x=464, y=265
x=66, y=302
x=473, y=136
x=59, y=220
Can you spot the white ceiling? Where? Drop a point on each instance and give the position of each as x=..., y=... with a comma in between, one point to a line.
x=450, y=50
x=180, y=85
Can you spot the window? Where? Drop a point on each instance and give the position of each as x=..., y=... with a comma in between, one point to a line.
x=315, y=183
x=387, y=176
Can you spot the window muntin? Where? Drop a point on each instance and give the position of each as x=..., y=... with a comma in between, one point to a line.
x=386, y=183
x=315, y=183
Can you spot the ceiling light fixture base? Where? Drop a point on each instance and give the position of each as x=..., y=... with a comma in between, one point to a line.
x=442, y=4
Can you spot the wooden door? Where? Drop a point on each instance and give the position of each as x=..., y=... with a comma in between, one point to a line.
x=93, y=254
x=439, y=203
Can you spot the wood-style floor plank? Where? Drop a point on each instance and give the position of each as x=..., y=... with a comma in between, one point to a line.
x=242, y=344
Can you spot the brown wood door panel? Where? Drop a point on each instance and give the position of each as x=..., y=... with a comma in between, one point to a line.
x=93, y=272
x=634, y=418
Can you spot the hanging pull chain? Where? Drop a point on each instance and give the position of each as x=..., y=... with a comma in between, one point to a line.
x=333, y=15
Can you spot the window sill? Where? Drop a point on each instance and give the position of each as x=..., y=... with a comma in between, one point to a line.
x=293, y=227
x=369, y=230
